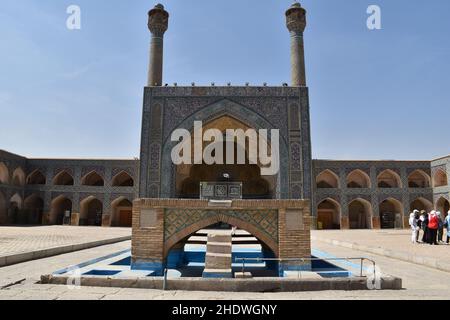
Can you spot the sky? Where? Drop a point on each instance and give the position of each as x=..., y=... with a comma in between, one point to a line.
x=374, y=94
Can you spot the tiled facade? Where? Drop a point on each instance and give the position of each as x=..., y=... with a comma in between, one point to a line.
x=406, y=192
x=21, y=193
x=15, y=190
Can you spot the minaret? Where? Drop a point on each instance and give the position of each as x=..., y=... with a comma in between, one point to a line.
x=296, y=23
x=158, y=21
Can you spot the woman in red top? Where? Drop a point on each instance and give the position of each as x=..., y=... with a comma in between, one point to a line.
x=433, y=226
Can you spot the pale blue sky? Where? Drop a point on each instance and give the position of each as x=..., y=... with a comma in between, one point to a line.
x=374, y=94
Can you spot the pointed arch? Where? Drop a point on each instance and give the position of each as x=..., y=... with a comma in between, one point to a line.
x=241, y=224
x=440, y=178
x=3, y=209
x=225, y=107
x=391, y=213
x=329, y=214
x=327, y=179
x=419, y=179
x=93, y=179
x=91, y=211
x=16, y=198
x=443, y=205
x=358, y=179
x=360, y=214
x=61, y=209
x=36, y=178
x=34, y=209
x=121, y=212
x=420, y=204
x=4, y=174
x=18, y=177
x=122, y=179
x=63, y=178
x=389, y=179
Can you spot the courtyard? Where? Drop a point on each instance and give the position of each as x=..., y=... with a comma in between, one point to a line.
x=20, y=281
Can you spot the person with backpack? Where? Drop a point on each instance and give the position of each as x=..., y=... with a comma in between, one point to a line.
x=433, y=226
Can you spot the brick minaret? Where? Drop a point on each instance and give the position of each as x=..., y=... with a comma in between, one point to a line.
x=296, y=23
x=158, y=21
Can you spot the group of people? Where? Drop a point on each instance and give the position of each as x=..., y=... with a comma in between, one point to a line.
x=432, y=224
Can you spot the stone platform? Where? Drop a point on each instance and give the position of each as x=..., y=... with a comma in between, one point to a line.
x=20, y=244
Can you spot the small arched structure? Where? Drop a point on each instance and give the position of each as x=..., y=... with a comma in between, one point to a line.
x=421, y=204
x=443, y=205
x=61, y=209
x=63, y=178
x=18, y=177
x=329, y=214
x=360, y=214
x=122, y=179
x=121, y=212
x=419, y=179
x=440, y=178
x=183, y=234
x=358, y=179
x=4, y=174
x=91, y=212
x=93, y=179
x=34, y=209
x=389, y=179
x=327, y=179
x=36, y=178
x=391, y=213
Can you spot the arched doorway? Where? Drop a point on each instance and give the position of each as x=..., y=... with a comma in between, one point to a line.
x=61, y=210
x=254, y=185
x=421, y=204
x=419, y=179
x=358, y=179
x=34, y=209
x=391, y=214
x=327, y=179
x=63, y=179
x=328, y=215
x=3, y=209
x=18, y=177
x=443, y=206
x=360, y=214
x=121, y=212
x=15, y=208
x=91, y=212
x=36, y=178
x=93, y=179
x=4, y=174
x=440, y=178
x=389, y=179
x=188, y=254
x=122, y=179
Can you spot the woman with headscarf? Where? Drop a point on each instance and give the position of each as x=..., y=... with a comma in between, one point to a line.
x=433, y=226
x=440, y=232
x=413, y=225
x=424, y=219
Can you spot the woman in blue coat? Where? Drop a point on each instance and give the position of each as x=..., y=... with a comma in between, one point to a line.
x=447, y=225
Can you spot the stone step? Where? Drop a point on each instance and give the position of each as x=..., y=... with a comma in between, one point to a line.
x=218, y=247
x=219, y=238
x=217, y=273
x=217, y=260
